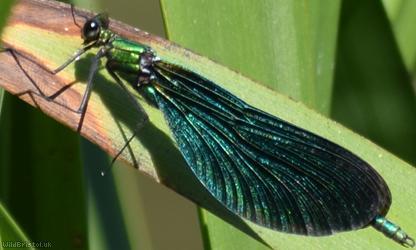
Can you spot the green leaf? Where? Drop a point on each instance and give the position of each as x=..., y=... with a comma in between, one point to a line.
x=291, y=51
x=10, y=232
x=42, y=184
x=373, y=92
x=5, y=6
x=401, y=14
x=287, y=46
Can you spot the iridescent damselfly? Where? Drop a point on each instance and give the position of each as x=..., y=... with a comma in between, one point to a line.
x=259, y=166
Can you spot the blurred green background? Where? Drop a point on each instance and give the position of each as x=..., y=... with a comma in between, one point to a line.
x=353, y=61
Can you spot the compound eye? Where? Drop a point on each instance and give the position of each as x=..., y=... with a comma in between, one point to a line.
x=90, y=31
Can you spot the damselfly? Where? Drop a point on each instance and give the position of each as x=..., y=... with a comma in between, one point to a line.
x=260, y=167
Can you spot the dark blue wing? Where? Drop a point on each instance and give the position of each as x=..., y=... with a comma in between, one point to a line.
x=263, y=168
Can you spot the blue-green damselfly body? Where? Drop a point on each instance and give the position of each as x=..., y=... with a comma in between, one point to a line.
x=260, y=167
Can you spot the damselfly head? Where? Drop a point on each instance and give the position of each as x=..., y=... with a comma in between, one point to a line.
x=91, y=29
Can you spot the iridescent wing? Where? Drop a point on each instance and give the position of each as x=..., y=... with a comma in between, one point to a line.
x=263, y=168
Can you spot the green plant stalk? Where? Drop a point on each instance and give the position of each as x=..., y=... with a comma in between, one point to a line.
x=10, y=230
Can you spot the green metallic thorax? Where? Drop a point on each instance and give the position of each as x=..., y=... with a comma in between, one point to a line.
x=122, y=55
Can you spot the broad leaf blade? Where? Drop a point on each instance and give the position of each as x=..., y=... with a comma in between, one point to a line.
x=288, y=46
x=373, y=93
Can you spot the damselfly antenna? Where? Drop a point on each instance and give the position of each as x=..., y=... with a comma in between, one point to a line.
x=73, y=17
